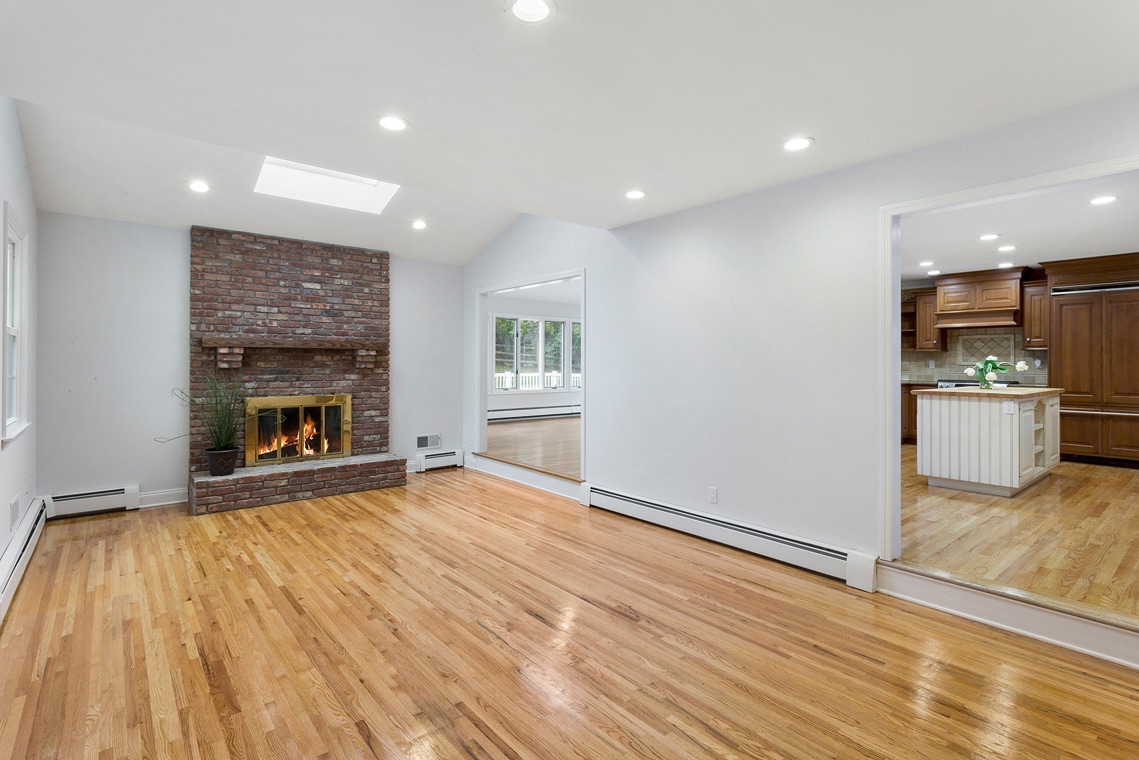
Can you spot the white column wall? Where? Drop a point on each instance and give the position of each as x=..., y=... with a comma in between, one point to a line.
x=733, y=304
x=426, y=354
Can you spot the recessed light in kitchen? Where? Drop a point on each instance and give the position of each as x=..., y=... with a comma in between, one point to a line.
x=990, y=236
x=532, y=11
x=1102, y=200
x=925, y=264
x=798, y=143
x=393, y=123
x=635, y=195
x=1006, y=248
x=1004, y=265
x=933, y=272
x=419, y=224
x=198, y=186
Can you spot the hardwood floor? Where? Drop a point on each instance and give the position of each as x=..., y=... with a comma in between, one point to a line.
x=552, y=445
x=465, y=616
x=1073, y=536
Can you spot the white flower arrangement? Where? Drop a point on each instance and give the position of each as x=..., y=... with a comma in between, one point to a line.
x=988, y=368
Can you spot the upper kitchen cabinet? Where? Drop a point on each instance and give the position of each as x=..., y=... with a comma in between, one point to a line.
x=979, y=299
x=919, y=322
x=927, y=337
x=1036, y=310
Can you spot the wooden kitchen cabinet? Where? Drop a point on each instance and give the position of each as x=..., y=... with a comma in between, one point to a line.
x=910, y=410
x=1035, y=305
x=927, y=337
x=979, y=299
x=909, y=326
x=1094, y=354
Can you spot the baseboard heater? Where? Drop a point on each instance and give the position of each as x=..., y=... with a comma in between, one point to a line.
x=91, y=502
x=533, y=412
x=856, y=568
x=425, y=462
x=15, y=560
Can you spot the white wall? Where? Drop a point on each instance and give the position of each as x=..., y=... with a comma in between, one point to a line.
x=114, y=316
x=18, y=457
x=731, y=302
x=530, y=307
x=426, y=354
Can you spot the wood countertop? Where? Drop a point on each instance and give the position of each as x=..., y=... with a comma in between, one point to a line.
x=1013, y=392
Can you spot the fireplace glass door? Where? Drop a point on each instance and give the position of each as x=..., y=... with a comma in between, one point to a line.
x=282, y=429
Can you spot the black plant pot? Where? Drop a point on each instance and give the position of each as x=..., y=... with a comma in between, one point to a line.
x=221, y=461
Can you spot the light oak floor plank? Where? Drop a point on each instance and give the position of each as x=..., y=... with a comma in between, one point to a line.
x=1073, y=536
x=465, y=616
x=553, y=445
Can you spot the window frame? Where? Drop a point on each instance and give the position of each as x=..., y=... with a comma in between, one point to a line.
x=567, y=347
x=14, y=277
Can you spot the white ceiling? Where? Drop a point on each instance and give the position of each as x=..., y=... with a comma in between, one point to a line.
x=689, y=101
x=1054, y=223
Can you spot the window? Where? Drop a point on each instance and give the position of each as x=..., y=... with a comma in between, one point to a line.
x=553, y=370
x=12, y=357
x=530, y=354
x=575, y=355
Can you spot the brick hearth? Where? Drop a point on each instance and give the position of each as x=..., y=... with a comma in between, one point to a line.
x=271, y=484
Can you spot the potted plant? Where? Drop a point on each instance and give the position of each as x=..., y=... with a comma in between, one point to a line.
x=986, y=370
x=221, y=408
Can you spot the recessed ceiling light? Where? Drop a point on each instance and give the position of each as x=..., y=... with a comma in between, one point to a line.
x=288, y=179
x=1006, y=248
x=933, y=272
x=393, y=123
x=926, y=264
x=1004, y=265
x=990, y=236
x=419, y=224
x=198, y=186
x=1102, y=200
x=798, y=143
x=635, y=195
x=532, y=11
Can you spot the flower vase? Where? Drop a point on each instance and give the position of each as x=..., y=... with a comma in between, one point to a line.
x=985, y=384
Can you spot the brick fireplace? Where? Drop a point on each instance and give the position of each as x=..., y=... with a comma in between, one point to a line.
x=291, y=318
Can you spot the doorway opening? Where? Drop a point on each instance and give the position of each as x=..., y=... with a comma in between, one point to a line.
x=534, y=371
x=1071, y=540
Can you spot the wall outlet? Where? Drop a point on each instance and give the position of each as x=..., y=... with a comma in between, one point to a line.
x=13, y=512
x=932, y=363
x=713, y=495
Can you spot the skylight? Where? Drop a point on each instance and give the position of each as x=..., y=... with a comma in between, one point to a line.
x=301, y=182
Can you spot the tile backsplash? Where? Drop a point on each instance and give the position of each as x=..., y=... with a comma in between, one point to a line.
x=966, y=347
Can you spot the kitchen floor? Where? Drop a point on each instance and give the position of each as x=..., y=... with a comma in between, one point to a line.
x=1073, y=537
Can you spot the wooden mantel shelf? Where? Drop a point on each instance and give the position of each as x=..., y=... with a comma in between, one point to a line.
x=231, y=347
x=290, y=341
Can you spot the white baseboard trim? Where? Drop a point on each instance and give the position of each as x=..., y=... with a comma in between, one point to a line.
x=163, y=498
x=549, y=483
x=15, y=559
x=1107, y=642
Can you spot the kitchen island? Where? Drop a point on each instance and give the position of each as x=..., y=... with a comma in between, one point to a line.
x=997, y=441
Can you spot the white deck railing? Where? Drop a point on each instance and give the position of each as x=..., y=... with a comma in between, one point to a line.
x=532, y=381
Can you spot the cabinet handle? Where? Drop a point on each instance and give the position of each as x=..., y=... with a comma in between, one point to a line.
x=1103, y=414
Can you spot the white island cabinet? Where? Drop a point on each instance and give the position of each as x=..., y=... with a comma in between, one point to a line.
x=997, y=441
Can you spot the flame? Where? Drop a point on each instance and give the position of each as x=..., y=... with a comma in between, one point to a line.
x=310, y=432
